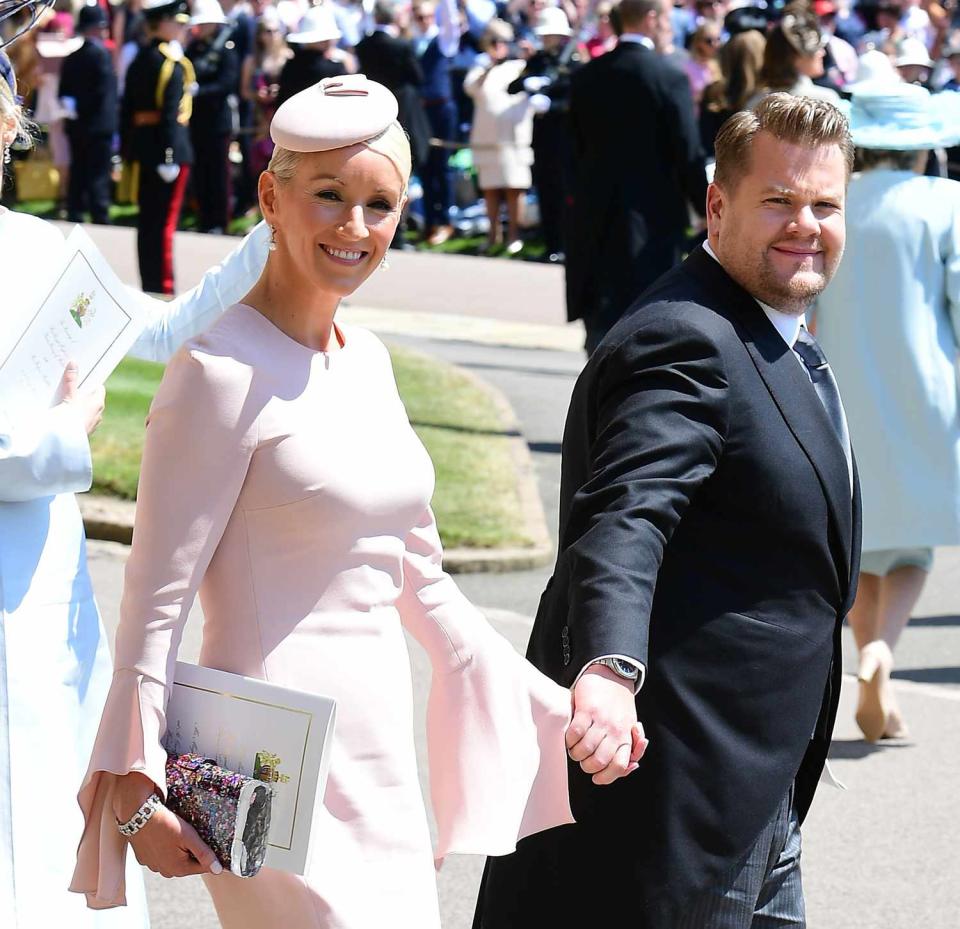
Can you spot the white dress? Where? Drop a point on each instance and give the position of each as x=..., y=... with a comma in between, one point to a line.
x=502, y=130
x=55, y=666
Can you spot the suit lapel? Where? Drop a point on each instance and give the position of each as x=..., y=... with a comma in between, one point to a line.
x=793, y=395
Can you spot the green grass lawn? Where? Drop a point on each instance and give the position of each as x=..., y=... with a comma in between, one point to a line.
x=475, y=499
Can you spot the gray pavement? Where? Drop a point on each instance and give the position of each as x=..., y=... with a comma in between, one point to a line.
x=879, y=855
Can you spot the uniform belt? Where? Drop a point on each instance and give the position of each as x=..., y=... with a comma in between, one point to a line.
x=147, y=118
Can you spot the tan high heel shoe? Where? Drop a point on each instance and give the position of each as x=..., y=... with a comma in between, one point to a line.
x=873, y=705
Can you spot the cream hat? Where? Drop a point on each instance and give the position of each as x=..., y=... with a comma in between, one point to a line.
x=318, y=25
x=912, y=51
x=552, y=21
x=207, y=13
x=337, y=112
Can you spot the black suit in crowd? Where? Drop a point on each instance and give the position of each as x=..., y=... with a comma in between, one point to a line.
x=393, y=62
x=155, y=135
x=709, y=531
x=553, y=168
x=211, y=125
x=306, y=68
x=638, y=165
x=88, y=76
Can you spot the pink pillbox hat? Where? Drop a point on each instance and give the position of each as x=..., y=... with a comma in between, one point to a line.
x=336, y=113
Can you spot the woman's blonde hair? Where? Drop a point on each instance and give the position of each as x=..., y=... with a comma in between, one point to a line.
x=392, y=143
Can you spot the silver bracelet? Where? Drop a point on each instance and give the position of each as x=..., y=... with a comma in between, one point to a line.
x=139, y=819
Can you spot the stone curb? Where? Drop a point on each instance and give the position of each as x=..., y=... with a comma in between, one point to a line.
x=111, y=520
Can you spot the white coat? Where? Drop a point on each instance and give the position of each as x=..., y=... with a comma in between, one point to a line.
x=55, y=666
x=888, y=324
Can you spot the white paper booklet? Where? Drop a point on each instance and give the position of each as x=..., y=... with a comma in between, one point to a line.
x=88, y=316
x=280, y=735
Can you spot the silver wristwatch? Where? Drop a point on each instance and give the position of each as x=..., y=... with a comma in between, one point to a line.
x=139, y=819
x=621, y=668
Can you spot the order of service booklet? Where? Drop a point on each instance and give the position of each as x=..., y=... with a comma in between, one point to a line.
x=256, y=728
x=87, y=315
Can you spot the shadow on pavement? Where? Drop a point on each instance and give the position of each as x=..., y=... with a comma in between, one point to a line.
x=934, y=622
x=857, y=749
x=929, y=675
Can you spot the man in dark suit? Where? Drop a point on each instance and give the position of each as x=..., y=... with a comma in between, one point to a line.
x=639, y=167
x=390, y=60
x=88, y=89
x=212, y=53
x=386, y=58
x=155, y=134
x=708, y=552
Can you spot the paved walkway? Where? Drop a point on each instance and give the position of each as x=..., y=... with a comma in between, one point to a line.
x=880, y=855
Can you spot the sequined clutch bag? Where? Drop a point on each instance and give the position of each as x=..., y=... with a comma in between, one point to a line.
x=230, y=811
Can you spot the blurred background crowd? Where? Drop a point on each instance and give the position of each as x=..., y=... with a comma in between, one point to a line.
x=483, y=85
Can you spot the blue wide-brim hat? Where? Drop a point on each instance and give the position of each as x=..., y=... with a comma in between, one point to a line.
x=904, y=118
x=8, y=82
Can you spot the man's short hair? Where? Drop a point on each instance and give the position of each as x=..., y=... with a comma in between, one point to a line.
x=384, y=12
x=635, y=12
x=798, y=120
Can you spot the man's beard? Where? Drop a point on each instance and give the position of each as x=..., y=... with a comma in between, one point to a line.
x=795, y=295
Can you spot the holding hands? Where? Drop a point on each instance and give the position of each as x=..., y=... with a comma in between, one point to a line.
x=604, y=735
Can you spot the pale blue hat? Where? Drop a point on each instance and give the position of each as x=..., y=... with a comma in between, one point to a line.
x=904, y=118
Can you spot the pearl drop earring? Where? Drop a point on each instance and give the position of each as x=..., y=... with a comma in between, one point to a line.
x=273, y=239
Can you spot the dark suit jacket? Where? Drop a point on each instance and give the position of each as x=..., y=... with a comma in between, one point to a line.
x=638, y=164
x=217, y=68
x=88, y=76
x=392, y=62
x=707, y=529
x=306, y=68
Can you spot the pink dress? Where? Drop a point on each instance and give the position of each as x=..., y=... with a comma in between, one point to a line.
x=287, y=487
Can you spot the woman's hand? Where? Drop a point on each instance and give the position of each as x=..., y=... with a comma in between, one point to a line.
x=171, y=847
x=166, y=844
x=89, y=405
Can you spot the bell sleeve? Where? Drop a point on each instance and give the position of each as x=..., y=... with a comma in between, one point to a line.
x=170, y=324
x=495, y=724
x=45, y=455
x=200, y=437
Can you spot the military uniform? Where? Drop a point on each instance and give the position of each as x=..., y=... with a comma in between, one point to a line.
x=211, y=129
x=155, y=119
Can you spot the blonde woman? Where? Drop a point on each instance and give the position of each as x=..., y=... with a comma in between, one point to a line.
x=54, y=660
x=304, y=522
x=501, y=135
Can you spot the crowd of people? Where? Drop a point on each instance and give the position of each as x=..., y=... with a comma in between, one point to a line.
x=492, y=77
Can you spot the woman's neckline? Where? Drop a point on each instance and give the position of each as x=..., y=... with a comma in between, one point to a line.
x=326, y=353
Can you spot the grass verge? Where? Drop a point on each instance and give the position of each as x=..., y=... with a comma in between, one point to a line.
x=475, y=500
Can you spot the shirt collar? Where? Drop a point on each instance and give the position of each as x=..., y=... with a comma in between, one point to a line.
x=787, y=325
x=638, y=39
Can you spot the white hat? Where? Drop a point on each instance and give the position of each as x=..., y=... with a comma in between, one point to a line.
x=318, y=25
x=912, y=51
x=904, y=118
x=207, y=13
x=552, y=21
x=874, y=70
x=335, y=113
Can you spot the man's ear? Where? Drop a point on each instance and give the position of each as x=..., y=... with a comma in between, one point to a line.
x=716, y=204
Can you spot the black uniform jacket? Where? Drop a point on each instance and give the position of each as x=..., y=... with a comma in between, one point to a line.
x=218, y=71
x=638, y=164
x=392, y=62
x=708, y=530
x=157, y=105
x=89, y=77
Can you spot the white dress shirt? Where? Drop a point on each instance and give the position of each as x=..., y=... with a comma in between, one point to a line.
x=637, y=39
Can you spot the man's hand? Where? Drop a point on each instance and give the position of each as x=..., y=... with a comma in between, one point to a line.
x=89, y=405
x=604, y=735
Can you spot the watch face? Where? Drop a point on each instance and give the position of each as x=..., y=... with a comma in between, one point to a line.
x=625, y=669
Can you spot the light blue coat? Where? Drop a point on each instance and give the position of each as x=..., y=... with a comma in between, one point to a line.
x=55, y=665
x=888, y=324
